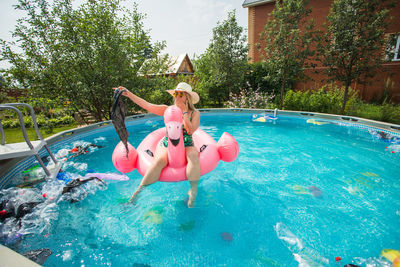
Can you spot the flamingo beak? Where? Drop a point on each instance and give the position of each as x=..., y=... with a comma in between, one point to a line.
x=174, y=130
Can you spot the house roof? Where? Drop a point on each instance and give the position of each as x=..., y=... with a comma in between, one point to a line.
x=176, y=63
x=249, y=3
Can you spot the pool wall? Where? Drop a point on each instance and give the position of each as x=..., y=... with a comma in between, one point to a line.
x=9, y=168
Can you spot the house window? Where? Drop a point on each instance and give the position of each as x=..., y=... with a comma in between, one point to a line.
x=392, y=50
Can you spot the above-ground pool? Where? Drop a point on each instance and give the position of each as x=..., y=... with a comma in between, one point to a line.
x=301, y=192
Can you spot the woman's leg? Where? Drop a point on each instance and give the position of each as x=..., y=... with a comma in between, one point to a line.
x=154, y=171
x=192, y=173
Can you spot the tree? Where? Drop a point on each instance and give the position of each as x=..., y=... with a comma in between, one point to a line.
x=354, y=38
x=2, y=82
x=221, y=68
x=79, y=54
x=286, y=45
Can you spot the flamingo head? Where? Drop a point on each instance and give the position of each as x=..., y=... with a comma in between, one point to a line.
x=173, y=123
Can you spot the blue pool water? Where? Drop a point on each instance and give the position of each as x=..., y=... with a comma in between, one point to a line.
x=298, y=194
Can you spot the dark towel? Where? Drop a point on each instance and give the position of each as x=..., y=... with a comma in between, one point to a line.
x=118, y=118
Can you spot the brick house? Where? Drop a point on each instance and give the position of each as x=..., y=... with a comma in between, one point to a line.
x=372, y=89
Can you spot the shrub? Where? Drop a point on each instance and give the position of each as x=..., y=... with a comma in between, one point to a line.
x=41, y=122
x=329, y=100
x=324, y=100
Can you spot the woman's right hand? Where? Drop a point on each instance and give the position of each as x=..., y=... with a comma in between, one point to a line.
x=125, y=92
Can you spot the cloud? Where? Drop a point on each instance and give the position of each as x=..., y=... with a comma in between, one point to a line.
x=207, y=11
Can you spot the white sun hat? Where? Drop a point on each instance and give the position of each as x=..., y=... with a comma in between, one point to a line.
x=184, y=87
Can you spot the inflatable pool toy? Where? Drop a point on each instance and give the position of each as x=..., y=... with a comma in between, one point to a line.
x=266, y=260
x=317, y=122
x=315, y=191
x=299, y=189
x=364, y=182
x=108, y=176
x=154, y=215
x=187, y=226
x=392, y=255
x=227, y=236
x=370, y=174
x=210, y=152
x=396, y=262
x=263, y=118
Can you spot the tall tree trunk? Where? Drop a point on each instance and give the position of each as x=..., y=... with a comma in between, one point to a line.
x=346, y=92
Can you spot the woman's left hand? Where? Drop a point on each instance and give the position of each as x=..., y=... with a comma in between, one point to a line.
x=182, y=105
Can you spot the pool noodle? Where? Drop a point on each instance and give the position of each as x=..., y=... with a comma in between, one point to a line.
x=108, y=176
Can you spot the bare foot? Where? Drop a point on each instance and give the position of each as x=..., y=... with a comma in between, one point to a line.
x=192, y=198
x=134, y=195
x=132, y=200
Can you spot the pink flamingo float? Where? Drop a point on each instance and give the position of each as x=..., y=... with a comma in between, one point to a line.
x=210, y=152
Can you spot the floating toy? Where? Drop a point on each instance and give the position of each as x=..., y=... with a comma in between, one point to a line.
x=263, y=118
x=299, y=189
x=107, y=176
x=210, y=152
x=315, y=191
x=317, y=122
x=369, y=174
x=227, y=236
x=266, y=260
x=187, y=226
x=392, y=255
x=154, y=215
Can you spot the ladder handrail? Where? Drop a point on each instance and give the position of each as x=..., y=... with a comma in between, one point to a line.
x=3, y=138
x=13, y=106
x=21, y=122
x=39, y=135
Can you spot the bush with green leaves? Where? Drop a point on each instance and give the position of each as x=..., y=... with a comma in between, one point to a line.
x=328, y=99
x=3, y=98
x=40, y=120
x=387, y=112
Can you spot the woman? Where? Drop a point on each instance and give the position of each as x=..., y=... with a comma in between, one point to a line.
x=184, y=98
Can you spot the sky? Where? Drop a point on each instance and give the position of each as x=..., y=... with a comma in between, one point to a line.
x=186, y=25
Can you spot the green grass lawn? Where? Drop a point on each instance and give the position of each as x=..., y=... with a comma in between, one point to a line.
x=14, y=135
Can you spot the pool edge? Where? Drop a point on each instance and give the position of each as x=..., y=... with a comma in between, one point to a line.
x=11, y=258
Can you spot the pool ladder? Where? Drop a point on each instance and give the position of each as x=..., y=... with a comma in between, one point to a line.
x=27, y=148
